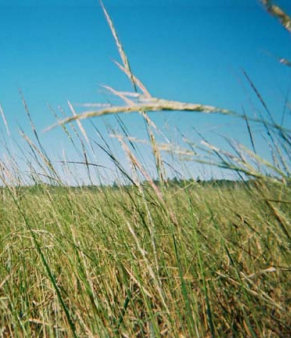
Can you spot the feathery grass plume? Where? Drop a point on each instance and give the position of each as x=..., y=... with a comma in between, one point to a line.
x=136, y=164
x=278, y=13
x=121, y=95
x=276, y=135
x=156, y=152
x=154, y=105
x=281, y=60
x=140, y=258
x=47, y=163
x=259, y=96
x=250, y=133
x=65, y=129
x=33, y=128
x=149, y=124
x=285, y=62
x=4, y=120
x=79, y=123
x=136, y=83
x=118, y=44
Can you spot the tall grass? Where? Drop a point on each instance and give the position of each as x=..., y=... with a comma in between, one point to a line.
x=151, y=257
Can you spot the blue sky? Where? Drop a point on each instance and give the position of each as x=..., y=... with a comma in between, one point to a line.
x=185, y=50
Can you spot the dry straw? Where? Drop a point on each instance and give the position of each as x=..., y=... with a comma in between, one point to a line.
x=278, y=13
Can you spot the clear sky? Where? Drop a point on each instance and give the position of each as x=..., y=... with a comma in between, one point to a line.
x=187, y=50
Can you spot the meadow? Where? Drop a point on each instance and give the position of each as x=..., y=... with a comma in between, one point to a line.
x=204, y=261
x=148, y=257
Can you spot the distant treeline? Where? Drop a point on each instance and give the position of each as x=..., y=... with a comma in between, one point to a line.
x=174, y=182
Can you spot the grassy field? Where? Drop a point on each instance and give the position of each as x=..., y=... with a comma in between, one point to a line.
x=202, y=261
x=150, y=258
